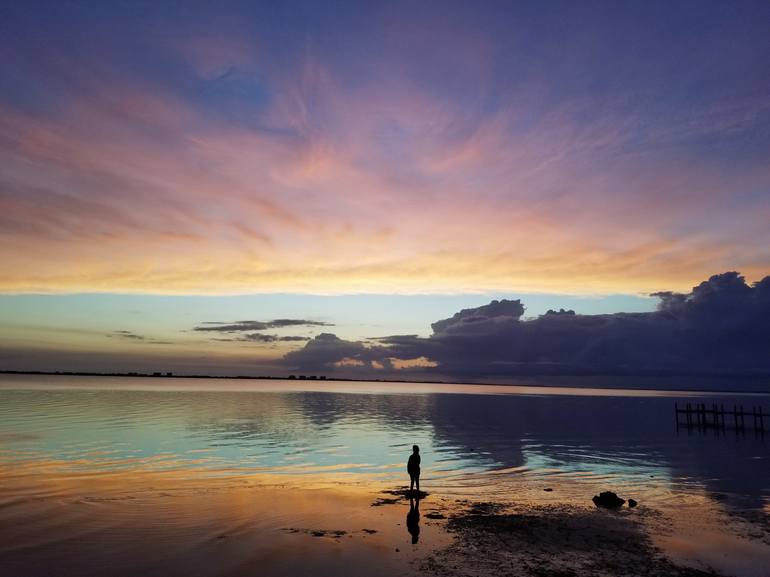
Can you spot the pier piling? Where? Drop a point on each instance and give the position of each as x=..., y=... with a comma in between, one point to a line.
x=715, y=417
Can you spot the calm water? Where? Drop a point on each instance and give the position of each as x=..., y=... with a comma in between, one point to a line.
x=203, y=477
x=476, y=438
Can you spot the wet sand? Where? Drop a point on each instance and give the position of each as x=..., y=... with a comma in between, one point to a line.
x=164, y=524
x=173, y=523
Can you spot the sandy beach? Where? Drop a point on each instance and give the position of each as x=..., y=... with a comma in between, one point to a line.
x=165, y=523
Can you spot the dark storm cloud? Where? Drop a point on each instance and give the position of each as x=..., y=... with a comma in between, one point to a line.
x=243, y=326
x=396, y=339
x=721, y=326
x=327, y=349
x=503, y=310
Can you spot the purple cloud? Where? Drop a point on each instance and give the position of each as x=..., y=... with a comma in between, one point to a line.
x=720, y=327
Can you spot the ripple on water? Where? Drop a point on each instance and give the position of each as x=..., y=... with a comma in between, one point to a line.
x=625, y=441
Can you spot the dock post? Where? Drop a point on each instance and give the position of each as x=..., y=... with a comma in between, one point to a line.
x=722, y=411
x=676, y=415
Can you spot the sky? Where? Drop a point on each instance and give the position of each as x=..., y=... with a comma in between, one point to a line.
x=367, y=169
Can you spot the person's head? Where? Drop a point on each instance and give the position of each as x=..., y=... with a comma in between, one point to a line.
x=415, y=449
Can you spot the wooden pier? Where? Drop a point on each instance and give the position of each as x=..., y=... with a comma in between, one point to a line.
x=715, y=417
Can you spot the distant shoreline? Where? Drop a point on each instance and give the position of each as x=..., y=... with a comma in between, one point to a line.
x=325, y=378
x=168, y=375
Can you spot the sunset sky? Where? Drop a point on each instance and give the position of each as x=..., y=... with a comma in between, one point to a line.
x=364, y=169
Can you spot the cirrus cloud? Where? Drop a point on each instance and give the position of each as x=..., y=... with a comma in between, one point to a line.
x=229, y=156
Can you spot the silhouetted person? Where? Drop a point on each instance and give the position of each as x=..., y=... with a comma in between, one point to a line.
x=413, y=468
x=413, y=519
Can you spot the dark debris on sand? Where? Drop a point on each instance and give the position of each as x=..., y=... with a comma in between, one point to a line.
x=550, y=541
x=334, y=533
x=379, y=501
x=485, y=508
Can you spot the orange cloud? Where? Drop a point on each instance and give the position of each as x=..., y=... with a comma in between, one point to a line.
x=412, y=363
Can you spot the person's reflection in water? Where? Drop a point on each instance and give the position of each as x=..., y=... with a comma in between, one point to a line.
x=413, y=519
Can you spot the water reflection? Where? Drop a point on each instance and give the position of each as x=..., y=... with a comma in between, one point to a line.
x=466, y=439
x=413, y=519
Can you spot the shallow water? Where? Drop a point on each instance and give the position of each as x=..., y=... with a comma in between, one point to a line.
x=120, y=448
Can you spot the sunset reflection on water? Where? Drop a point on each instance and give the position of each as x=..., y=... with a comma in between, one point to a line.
x=254, y=470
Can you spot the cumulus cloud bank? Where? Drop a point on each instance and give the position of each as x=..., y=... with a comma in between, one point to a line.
x=719, y=327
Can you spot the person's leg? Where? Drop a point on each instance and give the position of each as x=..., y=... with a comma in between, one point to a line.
x=411, y=483
x=417, y=479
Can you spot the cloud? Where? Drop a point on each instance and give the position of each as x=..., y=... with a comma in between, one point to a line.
x=226, y=157
x=502, y=311
x=263, y=338
x=126, y=335
x=328, y=350
x=243, y=326
x=131, y=336
x=719, y=327
x=400, y=364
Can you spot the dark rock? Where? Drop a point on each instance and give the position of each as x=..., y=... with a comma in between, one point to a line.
x=632, y=503
x=608, y=499
x=548, y=490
